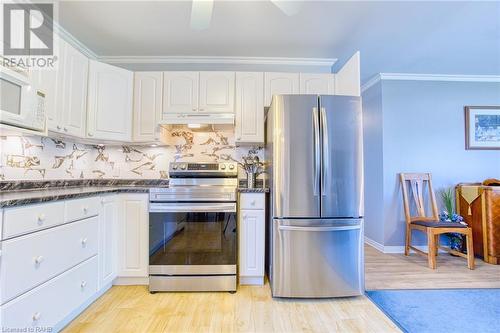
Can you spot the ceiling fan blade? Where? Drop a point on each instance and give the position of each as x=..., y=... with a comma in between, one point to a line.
x=201, y=14
x=289, y=7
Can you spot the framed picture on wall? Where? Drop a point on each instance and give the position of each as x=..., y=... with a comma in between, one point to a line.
x=482, y=127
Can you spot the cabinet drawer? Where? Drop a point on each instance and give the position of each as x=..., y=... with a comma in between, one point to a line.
x=30, y=260
x=252, y=200
x=48, y=304
x=78, y=209
x=25, y=219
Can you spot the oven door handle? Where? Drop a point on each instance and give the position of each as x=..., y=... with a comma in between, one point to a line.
x=177, y=207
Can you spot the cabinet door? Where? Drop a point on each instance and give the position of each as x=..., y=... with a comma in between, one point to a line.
x=216, y=92
x=108, y=219
x=147, y=105
x=110, y=102
x=317, y=84
x=251, y=247
x=249, y=107
x=180, y=92
x=278, y=84
x=348, y=79
x=133, y=235
x=74, y=91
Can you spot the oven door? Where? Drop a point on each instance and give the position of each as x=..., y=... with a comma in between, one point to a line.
x=192, y=238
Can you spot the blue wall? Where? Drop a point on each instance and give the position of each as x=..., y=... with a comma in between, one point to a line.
x=423, y=131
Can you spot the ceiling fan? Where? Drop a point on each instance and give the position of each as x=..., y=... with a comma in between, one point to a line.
x=201, y=11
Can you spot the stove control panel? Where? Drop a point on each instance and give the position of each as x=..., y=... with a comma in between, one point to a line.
x=191, y=169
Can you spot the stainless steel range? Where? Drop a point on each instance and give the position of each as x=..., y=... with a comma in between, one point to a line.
x=192, y=229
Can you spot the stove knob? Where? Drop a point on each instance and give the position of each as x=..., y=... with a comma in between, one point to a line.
x=223, y=167
x=231, y=166
x=183, y=166
x=174, y=167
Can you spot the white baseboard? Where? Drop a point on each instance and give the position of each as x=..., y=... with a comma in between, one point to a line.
x=252, y=280
x=394, y=249
x=131, y=281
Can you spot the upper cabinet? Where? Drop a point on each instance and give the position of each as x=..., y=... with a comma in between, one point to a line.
x=109, y=111
x=278, y=84
x=147, y=105
x=317, y=84
x=74, y=91
x=65, y=89
x=249, y=107
x=348, y=78
x=216, y=92
x=180, y=92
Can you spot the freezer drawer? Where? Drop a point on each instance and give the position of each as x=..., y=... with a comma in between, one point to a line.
x=317, y=258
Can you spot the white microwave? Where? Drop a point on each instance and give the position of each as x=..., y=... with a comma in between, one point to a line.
x=21, y=103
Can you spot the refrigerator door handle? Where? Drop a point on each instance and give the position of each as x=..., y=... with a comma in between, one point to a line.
x=325, y=152
x=317, y=152
x=339, y=228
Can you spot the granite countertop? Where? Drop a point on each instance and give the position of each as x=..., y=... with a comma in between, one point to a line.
x=16, y=193
x=22, y=193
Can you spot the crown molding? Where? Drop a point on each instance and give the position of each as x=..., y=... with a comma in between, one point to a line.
x=73, y=41
x=428, y=77
x=325, y=62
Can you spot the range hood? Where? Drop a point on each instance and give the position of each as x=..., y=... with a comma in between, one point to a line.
x=194, y=120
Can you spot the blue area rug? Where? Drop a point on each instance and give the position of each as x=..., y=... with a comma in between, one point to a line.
x=443, y=310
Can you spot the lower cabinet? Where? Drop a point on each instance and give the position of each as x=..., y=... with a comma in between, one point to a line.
x=252, y=220
x=133, y=235
x=108, y=242
x=45, y=306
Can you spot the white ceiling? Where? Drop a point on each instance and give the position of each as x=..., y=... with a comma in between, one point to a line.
x=413, y=37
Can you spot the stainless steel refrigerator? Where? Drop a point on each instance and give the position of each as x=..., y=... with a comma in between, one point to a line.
x=315, y=168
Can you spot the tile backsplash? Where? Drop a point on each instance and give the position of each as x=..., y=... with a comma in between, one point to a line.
x=31, y=158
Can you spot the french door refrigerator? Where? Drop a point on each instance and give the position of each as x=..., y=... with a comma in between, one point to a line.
x=314, y=149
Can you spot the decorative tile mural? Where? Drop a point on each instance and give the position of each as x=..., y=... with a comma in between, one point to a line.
x=33, y=158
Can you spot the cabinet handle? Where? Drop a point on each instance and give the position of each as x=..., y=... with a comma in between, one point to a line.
x=194, y=109
x=83, y=284
x=201, y=109
x=65, y=129
x=36, y=316
x=41, y=218
x=38, y=260
x=58, y=127
x=90, y=134
x=245, y=216
x=84, y=241
x=85, y=209
x=252, y=203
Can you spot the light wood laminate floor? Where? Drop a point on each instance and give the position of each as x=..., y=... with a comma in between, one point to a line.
x=251, y=309
x=397, y=271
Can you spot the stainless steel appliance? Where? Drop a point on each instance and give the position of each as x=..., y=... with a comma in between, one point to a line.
x=192, y=229
x=314, y=146
x=21, y=103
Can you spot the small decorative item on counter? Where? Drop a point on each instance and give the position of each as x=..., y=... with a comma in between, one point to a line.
x=448, y=215
x=253, y=167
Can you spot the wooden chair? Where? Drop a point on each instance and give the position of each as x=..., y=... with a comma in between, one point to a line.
x=429, y=224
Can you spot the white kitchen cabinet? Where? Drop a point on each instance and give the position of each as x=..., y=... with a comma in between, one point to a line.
x=74, y=91
x=249, y=107
x=109, y=112
x=317, y=83
x=108, y=228
x=65, y=88
x=133, y=235
x=278, y=84
x=180, y=92
x=147, y=105
x=251, y=226
x=216, y=92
